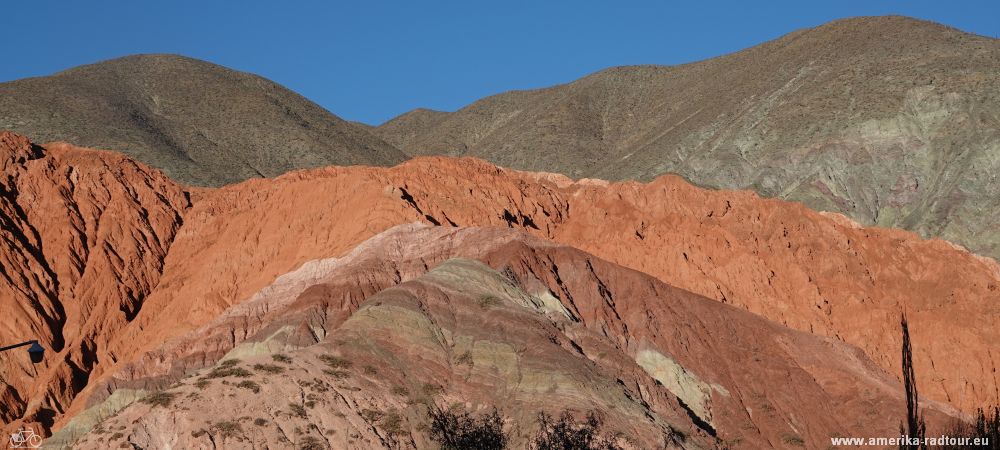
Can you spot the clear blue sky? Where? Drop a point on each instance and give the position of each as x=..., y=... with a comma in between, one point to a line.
x=372, y=60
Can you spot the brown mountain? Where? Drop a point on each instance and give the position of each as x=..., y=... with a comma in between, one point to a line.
x=135, y=282
x=200, y=123
x=889, y=120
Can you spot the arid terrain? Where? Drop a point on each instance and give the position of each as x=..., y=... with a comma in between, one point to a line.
x=665, y=290
x=891, y=121
x=712, y=255
x=200, y=123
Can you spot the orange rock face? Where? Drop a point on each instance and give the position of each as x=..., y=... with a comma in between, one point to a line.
x=111, y=260
x=811, y=271
x=83, y=241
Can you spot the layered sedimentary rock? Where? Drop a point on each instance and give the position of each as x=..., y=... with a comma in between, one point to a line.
x=84, y=237
x=811, y=271
x=491, y=317
x=165, y=260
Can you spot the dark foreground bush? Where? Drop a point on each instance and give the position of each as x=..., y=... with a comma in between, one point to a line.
x=565, y=433
x=986, y=427
x=459, y=430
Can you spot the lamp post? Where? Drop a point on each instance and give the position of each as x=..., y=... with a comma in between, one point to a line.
x=36, y=351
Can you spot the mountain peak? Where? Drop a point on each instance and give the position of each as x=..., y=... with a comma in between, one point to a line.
x=814, y=116
x=201, y=123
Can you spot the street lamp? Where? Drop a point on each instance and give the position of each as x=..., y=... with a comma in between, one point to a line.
x=36, y=351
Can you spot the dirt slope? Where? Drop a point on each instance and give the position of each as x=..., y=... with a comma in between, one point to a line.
x=890, y=120
x=200, y=123
x=547, y=327
x=813, y=272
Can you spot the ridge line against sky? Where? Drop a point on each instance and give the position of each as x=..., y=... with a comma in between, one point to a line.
x=372, y=62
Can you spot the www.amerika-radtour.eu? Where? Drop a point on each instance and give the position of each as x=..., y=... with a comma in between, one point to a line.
x=906, y=440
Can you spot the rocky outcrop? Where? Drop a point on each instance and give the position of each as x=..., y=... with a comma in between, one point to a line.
x=84, y=236
x=526, y=326
x=110, y=263
x=814, y=272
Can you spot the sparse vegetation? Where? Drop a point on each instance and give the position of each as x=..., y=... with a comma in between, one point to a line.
x=268, y=368
x=311, y=443
x=793, y=440
x=230, y=370
x=459, y=430
x=202, y=384
x=566, y=433
x=370, y=371
x=319, y=386
x=430, y=389
x=260, y=421
x=986, y=426
x=488, y=301
x=336, y=374
x=335, y=362
x=249, y=385
x=228, y=429
x=392, y=423
x=371, y=415
x=160, y=398
x=464, y=359
x=400, y=391
x=278, y=357
x=297, y=410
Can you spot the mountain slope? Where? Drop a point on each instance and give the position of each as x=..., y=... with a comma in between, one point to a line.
x=160, y=260
x=200, y=123
x=889, y=120
x=83, y=241
x=476, y=311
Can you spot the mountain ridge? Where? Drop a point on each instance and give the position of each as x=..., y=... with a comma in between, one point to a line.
x=814, y=272
x=890, y=120
x=199, y=122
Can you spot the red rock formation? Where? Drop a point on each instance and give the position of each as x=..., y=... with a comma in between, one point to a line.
x=815, y=272
x=550, y=327
x=83, y=240
x=87, y=234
